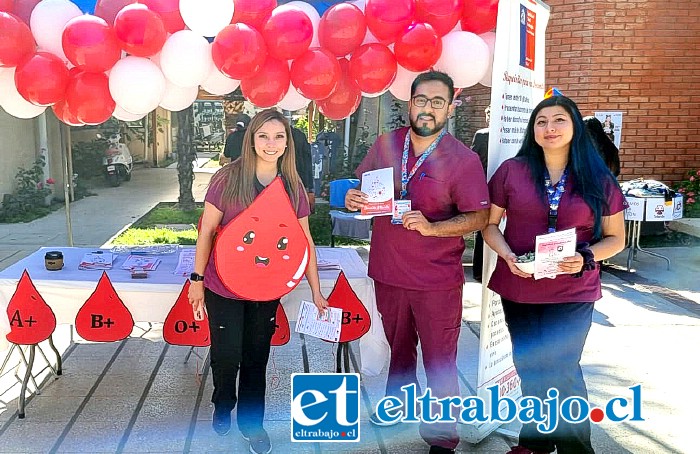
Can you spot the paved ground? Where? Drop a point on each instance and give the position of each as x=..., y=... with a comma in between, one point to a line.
x=139, y=395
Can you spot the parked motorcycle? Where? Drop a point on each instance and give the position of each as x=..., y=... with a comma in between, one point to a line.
x=117, y=161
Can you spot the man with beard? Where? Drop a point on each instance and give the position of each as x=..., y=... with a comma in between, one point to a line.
x=416, y=261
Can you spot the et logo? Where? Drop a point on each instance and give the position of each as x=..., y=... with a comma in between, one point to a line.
x=325, y=407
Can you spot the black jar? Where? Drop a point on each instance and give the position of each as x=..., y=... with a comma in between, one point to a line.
x=53, y=260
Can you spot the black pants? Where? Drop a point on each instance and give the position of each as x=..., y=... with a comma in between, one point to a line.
x=240, y=340
x=548, y=341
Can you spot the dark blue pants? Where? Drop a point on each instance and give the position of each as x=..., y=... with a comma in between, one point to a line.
x=548, y=341
x=240, y=341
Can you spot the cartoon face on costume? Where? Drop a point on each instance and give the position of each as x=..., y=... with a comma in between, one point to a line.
x=262, y=254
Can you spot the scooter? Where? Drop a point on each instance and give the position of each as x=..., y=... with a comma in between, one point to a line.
x=117, y=161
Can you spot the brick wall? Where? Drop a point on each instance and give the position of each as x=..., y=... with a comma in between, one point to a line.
x=639, y=57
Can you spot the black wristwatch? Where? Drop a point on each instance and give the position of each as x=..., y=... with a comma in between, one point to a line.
x=196, y=277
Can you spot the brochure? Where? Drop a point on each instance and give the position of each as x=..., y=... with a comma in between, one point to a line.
x=550, y=249
x=311, y=322
x=141, y=262
x=97, y=260
x=379, y=186
x=185, y=262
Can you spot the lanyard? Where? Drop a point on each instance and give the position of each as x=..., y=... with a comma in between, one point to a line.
x=405, y=176
x=554, y=194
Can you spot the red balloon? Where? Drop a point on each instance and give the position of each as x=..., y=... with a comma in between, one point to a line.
x=345, y=99
x=91, y=44
x=63, y=113
x=315, y=74
x=418, y=48
x=88, y=97
x=288, y=33
x=108, y=9
x=42, y=79
x=140, y=31
x=479, y=16
x=239, y=51
x=7, y=5
x=443, y=15
x=342, y=29
x=16, y=40
x=269, y=85
x=387, y=19
x=373, y=68
x=23, y=9
x=169, y=11
x=252, y=12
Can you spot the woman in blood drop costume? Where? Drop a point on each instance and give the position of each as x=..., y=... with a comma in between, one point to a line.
x=241, y=329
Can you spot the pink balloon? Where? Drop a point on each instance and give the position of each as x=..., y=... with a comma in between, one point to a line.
x=88, y=97
x=269, y=85
x=387, y=19
x=418, y=48
x=169, y=11
x=140, y=31
x=288, y=33
x=252, y=12
x=316, y=73
x=479, y=16
x=373, y=68
x=443, y=15
x=345, y=99
x=42, y=79
x=342, y=29
x=16, y=40
x=239, y=51
x=23, y=9
x=108, y=9
x=91, y=44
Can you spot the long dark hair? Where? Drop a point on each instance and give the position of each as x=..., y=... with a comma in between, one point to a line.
x=239, y=176
x=589, y=174
x=606, y=148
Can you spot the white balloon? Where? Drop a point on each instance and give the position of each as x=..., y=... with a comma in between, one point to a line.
x=206, y=17
x=465, y=58
x=136, y=84
x=178, y=98
x=47, y=22
x=218, y=83
x=490, y=40
x=122, y=114
x=10, y=99
x=312, y=13
x=293, y=100
x=186, y=58
x=401, y=86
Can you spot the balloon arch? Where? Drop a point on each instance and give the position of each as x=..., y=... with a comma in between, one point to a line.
x=90, y=60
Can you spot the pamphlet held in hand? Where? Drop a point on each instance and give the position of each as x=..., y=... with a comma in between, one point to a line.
x=324, y=326
x=552, y=248
x=379, y=187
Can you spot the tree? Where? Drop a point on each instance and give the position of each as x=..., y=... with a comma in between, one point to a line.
x=186, y=155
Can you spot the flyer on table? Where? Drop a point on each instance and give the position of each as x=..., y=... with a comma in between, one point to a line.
x=550, y=249
x=379, y=187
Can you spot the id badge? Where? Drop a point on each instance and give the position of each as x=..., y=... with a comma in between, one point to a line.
x=400, y=207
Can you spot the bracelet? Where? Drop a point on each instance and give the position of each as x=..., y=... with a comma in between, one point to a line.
x=589, y=263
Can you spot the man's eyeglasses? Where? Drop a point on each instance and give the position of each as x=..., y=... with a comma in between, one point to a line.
x=436, y=103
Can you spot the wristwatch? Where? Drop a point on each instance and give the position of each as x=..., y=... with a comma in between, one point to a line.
x=196, y=277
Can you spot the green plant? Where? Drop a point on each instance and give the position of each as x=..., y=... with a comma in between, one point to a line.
x=690, y=188
x=87, y=157
x=28, y=202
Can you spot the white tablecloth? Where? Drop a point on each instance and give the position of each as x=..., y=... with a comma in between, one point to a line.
x=150, y=300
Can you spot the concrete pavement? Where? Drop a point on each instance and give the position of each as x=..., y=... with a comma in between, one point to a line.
x=139, y=396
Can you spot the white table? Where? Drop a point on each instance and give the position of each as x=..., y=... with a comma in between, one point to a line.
x=650, y=209
x=150, y=300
